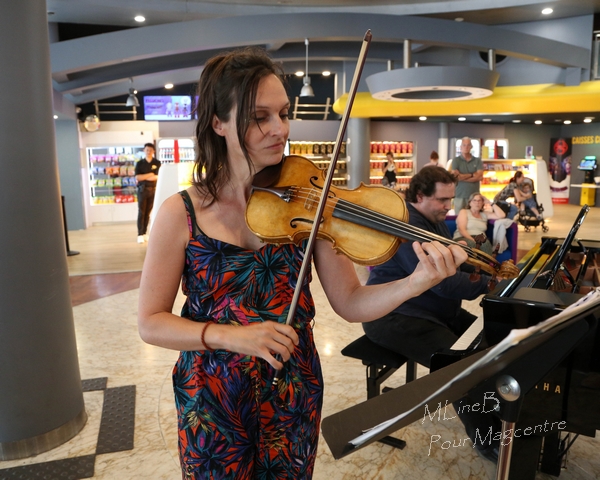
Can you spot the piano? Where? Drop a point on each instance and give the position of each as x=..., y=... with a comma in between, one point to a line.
x=554, y=274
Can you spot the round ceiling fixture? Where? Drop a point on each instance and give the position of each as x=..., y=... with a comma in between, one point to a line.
x=91, y=123
x=433, y=84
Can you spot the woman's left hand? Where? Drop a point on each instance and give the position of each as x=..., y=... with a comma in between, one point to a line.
x=436, y=262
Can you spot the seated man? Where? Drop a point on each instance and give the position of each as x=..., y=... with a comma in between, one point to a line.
x=434, y=320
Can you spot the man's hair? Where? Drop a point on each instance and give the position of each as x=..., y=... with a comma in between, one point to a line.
x=424, y=182
x=151, y=145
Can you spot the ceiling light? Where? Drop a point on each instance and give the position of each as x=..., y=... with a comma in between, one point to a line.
x=437, y=83
x=307, y=90
x=461, y=119
x=168, y=86
x=132, y=100
x=422, y=118
x=567, y=122
x=299, y=73
x=587, y=120
x=55, y=117
x=516, y=121
x=486, y=119
x=538, y=122
x=326, y=73
x=459, y=19
x=139, y=18
x=547, y=11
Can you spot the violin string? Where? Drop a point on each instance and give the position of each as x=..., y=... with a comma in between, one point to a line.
x=389, y=222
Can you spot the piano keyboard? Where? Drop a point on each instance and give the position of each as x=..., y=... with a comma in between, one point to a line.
x=467, y=338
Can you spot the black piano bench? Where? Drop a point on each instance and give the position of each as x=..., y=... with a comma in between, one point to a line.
x=381, y=363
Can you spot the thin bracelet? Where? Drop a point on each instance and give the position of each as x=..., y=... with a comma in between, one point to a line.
x=206, y=347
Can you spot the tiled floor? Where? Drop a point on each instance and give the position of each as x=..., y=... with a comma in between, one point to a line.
x=109, y=346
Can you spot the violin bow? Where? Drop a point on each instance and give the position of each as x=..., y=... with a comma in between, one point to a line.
x=327, y=183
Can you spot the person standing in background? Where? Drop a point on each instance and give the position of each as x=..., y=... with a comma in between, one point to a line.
x=434, y=160
x=146, y=175
x=389, y=171
x=468, y=171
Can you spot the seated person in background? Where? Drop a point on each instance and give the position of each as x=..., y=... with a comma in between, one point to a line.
x=472, y=223
x=524, y=198
x=389, y=172
x=518, y=190
x=434, y=320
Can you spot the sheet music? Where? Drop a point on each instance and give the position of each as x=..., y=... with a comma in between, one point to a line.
x=586, y=303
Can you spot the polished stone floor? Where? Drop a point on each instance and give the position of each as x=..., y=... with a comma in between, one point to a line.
x=109, y=346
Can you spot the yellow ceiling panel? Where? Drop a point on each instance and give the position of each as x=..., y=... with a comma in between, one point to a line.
x=522, y=99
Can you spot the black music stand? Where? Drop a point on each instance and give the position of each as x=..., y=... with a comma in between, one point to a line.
x=510, y=369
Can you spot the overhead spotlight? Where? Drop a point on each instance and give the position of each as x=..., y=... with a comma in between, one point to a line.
x=55, y=117
x=139, y=18
x=461, y=119
x=422, y=118
x=486, y=119
x=326, y=73
x=299, y=73
x=516, y=121
x=132, y=100
x=459, y=19
x=307, y=90
x=538, y=122
x=168, y=86
x=547, y=11
x=567, y=122
x=587, y=120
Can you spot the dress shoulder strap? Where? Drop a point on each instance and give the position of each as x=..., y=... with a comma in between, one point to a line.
x=191, y=214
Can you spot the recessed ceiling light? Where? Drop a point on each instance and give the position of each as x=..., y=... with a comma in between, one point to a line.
x=547, y=11
x=587, y=120
x=139, y=18
x=55, y=117
x=422, y=118
x=326, y=73
x=486, y=119
x=516, y=121
x=461, y=119
x=567, y=122
x=299, y=73
x=168, y=86
x=459, y=19
x=538, y=122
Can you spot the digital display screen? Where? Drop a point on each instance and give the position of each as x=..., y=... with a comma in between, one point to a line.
x=587, y=163
x=168, y=107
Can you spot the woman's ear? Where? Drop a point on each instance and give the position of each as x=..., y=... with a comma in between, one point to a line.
x=217, y=126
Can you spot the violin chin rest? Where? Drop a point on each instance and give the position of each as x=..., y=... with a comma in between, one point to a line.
x=268, y=175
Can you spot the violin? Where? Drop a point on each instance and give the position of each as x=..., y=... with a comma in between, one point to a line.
x=367, y=224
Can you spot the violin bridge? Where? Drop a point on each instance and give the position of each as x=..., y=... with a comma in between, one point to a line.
x=312, y=200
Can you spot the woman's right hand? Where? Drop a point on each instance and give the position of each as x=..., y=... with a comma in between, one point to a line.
x=265, y=340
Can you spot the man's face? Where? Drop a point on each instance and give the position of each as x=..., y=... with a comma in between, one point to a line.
x=436, y=207
x=149, y=152
x=466, y=147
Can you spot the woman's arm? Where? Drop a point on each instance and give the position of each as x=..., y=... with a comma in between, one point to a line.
x=161, y=276
x=461, y=224
x=357, y=303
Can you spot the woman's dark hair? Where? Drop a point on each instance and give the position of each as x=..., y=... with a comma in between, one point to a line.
x=424, y=182
x=228, y=80
x=434, y=155
x=518, y=174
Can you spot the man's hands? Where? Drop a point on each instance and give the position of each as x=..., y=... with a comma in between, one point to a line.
x=436, y=262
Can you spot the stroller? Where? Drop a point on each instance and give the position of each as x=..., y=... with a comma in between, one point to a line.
x=528, y=219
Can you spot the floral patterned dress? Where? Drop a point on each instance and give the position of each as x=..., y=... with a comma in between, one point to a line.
x=233, y=423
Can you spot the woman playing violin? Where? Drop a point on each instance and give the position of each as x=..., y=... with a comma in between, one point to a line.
x=232, y=421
